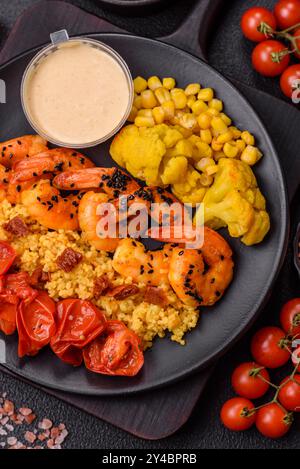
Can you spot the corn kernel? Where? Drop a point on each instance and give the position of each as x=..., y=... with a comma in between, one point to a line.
x=158, y=114
x=154, y=83
x=206, y=94
x=226, y=137
x=199, y=106
x=211, y=170
x=148, y=99
x=188, y=121
x=213, y=112
x=179, y=98
x=145, y=112
x=192, y=88
x=139, y=84
x=235, y=131
x=248, y=138
x=137, y=102
x=169, y=109
x=219, y=125
x=216, y=104
x=169, y=83
x=204, y=163
x=184, y=148
x=230, y=150
x=162, y=95
x=205, y=150
x=225, y=118
x=218, y=155
x=190, y=101
x=133, y=114
x=215, y=145
x=251, y=155
x=204, y=121
x=206, y=180
x=141, y=121
x=206, y=135
x=241, y=145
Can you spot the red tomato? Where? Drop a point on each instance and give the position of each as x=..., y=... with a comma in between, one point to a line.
x=7, y=256
x=297, y=35
x=235, y=414
x=19, y=285
x=290, y=316
x=287, y=13
x=290, y=81
x=117, y=352
x=251, y=21
x=35, y=323
x=268, y=347
x=272, y=421
x=263, y=62
x=8, y=313
x=289, y=394
x=246, y=381
x=79, y=322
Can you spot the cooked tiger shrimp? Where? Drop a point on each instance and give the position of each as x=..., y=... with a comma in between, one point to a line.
x=45, y=204
x=131, y=259
x=89, y=219
x=49, y=163
x=200, y=277
x=17, y=149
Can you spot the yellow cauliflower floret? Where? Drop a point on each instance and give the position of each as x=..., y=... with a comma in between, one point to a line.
x=174, y=169
x=140, y=151
x=189, y=190
x=234, y=200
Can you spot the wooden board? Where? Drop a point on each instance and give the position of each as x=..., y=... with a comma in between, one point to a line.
x=160, y=413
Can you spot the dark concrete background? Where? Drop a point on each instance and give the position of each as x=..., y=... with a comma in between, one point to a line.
x=231, y=55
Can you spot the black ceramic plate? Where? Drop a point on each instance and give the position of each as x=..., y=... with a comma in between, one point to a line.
x=132, y=5
x=255, y=267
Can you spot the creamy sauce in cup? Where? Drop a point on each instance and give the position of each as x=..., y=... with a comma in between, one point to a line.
x=77, y=95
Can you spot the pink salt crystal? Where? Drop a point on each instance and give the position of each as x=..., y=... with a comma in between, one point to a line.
x=4, y=421
x=45, y=424
x=8, y=407
x=25, y=411
x=12, y=440
x=50, y=443
x=30, y=437
x=30, y=418
x=3, y=432
x=9, y=427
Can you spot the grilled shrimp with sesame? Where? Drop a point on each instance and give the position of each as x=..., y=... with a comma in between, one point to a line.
x=46, y=205
x=131, y=259
x=17, y=149
x=199, y=277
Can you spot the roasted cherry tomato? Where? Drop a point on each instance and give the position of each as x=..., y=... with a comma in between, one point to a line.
x=78, y=322
x=8, y=313
x=19, y=285
x=236, y=414
x=290, y=81
x=287, y=13
x=289, y=394
x=7, y=256
x=290, y=317
x=246, y=381
x=251, y=21
x=263, y=62
x=35, y=323
x=116, y=352
x=269, y=347
x=272, y=421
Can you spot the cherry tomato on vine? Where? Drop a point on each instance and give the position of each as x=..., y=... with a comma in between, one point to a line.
x=287, y=13
x=251, y=21
x=268, y=347
x=236, y=414
x=289, y=394
x=290, y=81
x=263, y=62
x=246, y=381
x=290, y=314
x=297, y=35
x=272, y=421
